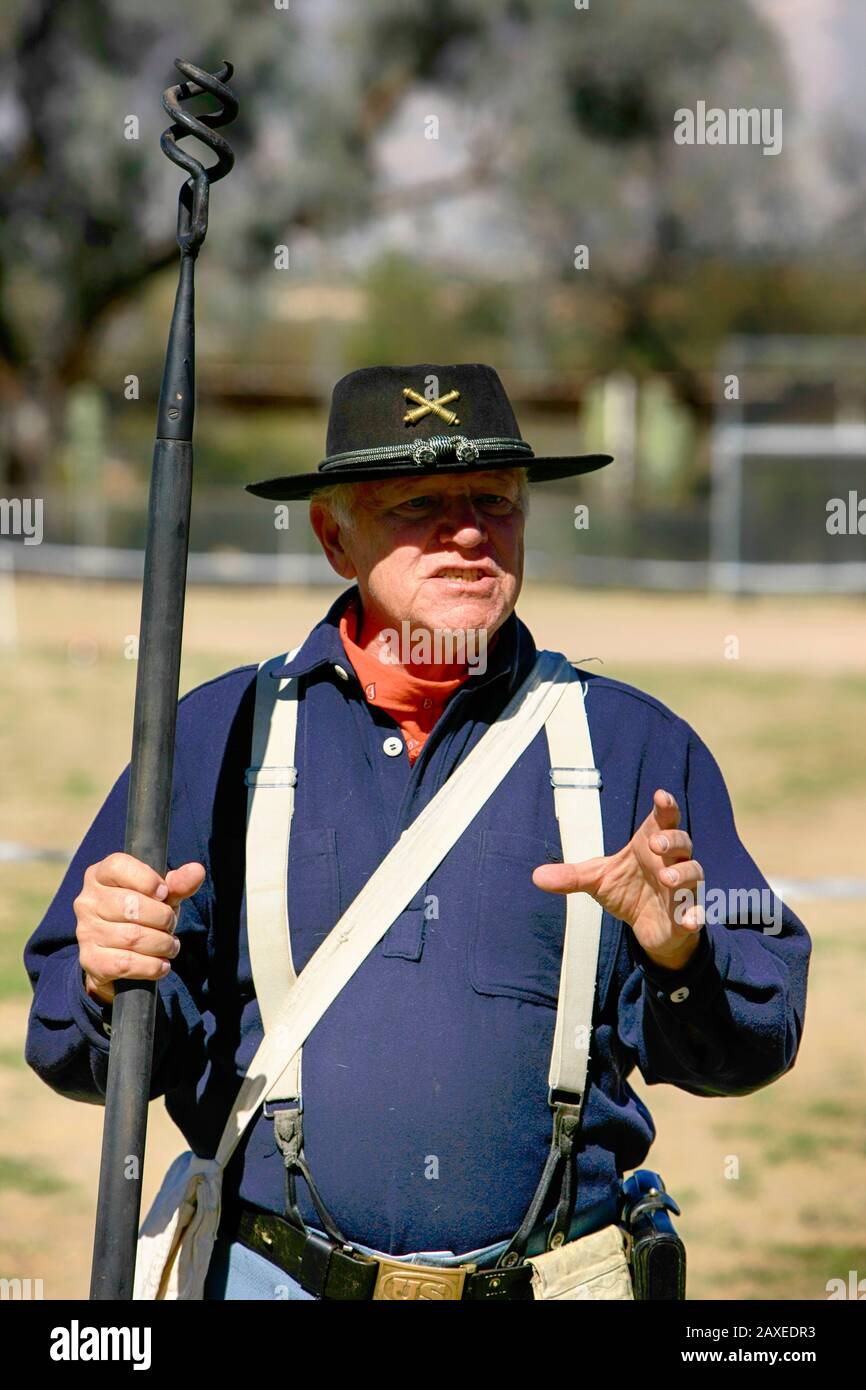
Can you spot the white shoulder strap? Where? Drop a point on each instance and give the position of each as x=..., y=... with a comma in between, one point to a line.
x=271, y=779
x=408, y=865
x=576, y=783
x=576, y=786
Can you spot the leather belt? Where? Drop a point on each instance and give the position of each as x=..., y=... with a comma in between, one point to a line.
x=331, y=1271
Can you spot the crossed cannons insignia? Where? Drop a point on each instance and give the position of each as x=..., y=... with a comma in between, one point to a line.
x=425, y=407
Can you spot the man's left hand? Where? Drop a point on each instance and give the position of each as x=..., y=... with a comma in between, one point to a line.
x=638, y=884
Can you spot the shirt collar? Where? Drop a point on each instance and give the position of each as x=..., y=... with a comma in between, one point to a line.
x=512, y=656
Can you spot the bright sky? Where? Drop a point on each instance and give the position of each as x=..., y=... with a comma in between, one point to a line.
x=825, y=40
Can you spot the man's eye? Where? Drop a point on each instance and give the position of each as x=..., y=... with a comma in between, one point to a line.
x=415, y=504
x=494, y=501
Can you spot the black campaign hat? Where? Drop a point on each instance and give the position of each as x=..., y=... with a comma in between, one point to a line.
x=405, y=422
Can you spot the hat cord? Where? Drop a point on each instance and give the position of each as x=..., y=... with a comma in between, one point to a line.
x=425, y=451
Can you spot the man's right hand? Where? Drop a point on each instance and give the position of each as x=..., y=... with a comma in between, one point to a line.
x=126, y=917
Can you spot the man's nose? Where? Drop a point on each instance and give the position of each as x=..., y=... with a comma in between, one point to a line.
x=460, y=521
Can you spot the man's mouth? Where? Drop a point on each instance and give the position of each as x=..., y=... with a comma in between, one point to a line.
x=464, y=575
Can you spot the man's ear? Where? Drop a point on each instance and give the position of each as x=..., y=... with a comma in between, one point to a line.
x=331, y=538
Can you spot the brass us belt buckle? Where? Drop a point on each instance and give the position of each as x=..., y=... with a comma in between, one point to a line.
x=425, y=1283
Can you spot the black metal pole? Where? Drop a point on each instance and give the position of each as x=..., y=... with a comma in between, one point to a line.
x=151, y=765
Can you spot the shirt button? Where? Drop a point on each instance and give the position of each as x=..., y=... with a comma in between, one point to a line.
x=106, y=1028
x=393, y=746
x=428, y=702
x=679, y=995
x=343, y=674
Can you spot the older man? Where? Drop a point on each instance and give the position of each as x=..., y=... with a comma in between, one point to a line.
x=423, y=1087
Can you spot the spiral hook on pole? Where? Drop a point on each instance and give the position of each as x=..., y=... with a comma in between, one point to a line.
x=192, y=212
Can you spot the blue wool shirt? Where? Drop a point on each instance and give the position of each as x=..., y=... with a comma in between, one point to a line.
x=426, y=1116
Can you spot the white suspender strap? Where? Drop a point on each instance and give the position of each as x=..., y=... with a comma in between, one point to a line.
x=408, y=865
x=576, y=785
x=271, y=779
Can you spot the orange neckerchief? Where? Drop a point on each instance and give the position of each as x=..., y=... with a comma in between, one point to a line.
x=413, y=702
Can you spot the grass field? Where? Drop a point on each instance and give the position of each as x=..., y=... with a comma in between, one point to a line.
x=784, y=718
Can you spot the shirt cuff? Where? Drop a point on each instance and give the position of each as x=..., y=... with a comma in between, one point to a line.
x=688, y=989
x=92, y=1018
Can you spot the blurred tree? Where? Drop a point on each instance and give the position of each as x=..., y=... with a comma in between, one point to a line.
x=87, y=214
x=565, y=117
x=597, y=165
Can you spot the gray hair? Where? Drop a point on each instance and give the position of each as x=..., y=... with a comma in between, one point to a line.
x=339, y=499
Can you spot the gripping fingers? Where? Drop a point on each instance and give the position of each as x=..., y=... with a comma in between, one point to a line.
x=125, y=929
x=105, y=964
x=128, y=936
x=121, y=870
x=125, y=951
x=124, y=905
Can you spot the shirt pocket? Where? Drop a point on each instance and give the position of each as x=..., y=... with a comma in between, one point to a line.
x=315, y=898
x=317, y=901
x=517, y=930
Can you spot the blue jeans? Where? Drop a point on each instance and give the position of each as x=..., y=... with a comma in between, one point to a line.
x=238, y=1273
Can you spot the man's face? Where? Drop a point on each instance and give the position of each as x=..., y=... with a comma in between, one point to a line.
x=443, y=552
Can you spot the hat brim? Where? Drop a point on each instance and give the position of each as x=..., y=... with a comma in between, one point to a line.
x=298, y=486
